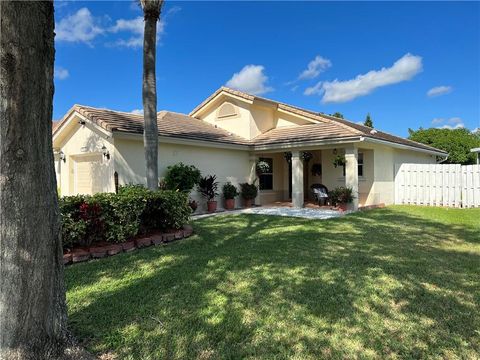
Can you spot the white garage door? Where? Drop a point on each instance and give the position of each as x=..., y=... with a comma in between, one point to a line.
x=87, y=177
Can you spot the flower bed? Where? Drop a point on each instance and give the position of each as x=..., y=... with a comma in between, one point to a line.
x=106, y=219
x=100, y=250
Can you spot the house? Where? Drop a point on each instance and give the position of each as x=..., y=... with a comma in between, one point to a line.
x=226, y=135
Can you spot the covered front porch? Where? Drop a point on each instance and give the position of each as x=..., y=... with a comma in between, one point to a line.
x=292, y=173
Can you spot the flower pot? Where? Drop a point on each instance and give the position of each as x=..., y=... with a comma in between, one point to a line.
x=193, y=205
x=343, y=207
x=211, y=206
x=247, y=203
x=229, y=204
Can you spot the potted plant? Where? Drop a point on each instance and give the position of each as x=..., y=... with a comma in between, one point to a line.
x=207, y=186
x=193, y=205
x=229, y=193
x=249, y=193
x=340, y=197
x=339, y=160
x=262, y=167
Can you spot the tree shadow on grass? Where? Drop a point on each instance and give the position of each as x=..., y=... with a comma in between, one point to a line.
x=378, y=284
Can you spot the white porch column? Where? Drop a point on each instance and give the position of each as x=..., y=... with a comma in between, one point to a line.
x=351, y=172
x=252, y=178
x=297, y=180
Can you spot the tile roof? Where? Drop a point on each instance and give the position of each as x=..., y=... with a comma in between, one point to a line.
x=176, y=125
x=170, y=124
x=288, y=134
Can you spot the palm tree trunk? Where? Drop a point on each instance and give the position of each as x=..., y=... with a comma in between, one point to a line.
x=32, y=297
x=149, y=94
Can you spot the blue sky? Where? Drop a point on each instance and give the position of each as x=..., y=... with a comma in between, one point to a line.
x=408, y=64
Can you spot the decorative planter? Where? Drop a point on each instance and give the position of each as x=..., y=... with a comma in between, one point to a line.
x=67, y=258
x=114, y=249
x=157, y=239
x=229, y=204
x=128, y=246
x=79, y=255
x=211, y=206
x=187, y=230
x=143, y=242
x=98, y=252
x=247, y=203
x=343, y=207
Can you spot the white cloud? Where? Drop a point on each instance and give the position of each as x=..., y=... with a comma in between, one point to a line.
x=476, y=130
x=137, y=111
x=451, y=123
x=315, y=67
x=135, y=27
x=403, y=69
x=439, y=90
x=451, y=127
x=250, y=79
x=315, y=89
x=79, y=27
x=61, y=73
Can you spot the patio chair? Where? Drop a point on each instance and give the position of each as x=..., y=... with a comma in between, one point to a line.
x=320, y=193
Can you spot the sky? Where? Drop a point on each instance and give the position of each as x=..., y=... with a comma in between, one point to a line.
x=410, y=64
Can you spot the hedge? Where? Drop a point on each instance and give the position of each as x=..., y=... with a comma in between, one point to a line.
x=118, y=217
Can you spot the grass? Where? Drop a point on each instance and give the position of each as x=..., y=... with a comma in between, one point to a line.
x=394, y=283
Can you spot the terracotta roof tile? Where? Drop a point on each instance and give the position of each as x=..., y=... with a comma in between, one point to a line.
x=170, y=124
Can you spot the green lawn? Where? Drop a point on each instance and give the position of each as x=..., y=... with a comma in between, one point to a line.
x=399, y=283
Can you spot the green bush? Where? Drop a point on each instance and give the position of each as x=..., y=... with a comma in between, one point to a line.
x=248, y=191
x=230, y=191
x=118, y=217
x=341, y=195
x=181, y=177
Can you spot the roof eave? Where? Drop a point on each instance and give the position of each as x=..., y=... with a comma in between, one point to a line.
x=404, y=146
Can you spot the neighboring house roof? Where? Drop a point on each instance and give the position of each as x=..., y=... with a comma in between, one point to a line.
x=170, y=124
x=344, y=127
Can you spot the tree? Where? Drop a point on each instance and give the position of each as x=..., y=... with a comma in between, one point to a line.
x=32, y=297
x=338, y=115
x=151, y=13
x=368, y=121
x=456, y=142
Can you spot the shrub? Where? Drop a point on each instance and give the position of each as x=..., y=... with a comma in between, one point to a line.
x=341, y=195
x=248, y=191
x=181, y=177
x=207, y=186
x=119, y=217
x=230, y=191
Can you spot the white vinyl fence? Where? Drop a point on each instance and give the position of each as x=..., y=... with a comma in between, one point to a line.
x=437, y=185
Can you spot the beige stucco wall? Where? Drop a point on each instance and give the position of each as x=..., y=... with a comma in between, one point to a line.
x=83, y=141
x=251, y=119
x=332, y=176
x=226, y=164
x=385, y=158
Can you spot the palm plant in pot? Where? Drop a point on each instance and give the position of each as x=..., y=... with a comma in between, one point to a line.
x=207, y=186
x=249, y=193
x=341, y=197
x=230, y=192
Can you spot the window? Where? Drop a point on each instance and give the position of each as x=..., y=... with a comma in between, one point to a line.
x=360, y=165
x=266, y=177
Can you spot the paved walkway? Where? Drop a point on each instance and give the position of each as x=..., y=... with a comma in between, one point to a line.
x=280, y=211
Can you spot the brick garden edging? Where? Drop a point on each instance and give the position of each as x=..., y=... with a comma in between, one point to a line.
x=98, y=251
